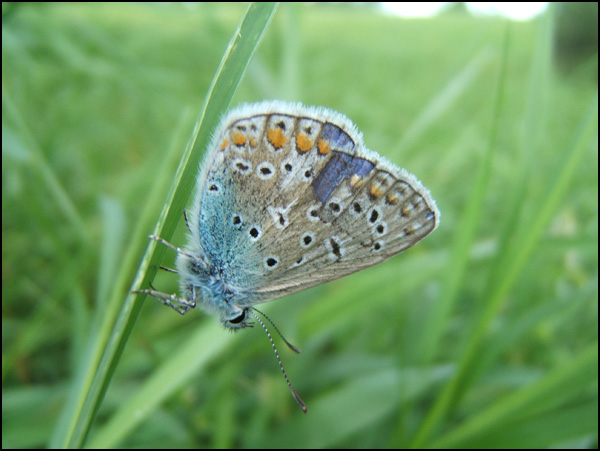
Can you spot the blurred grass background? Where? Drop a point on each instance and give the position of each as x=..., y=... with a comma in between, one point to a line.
x=483, y=335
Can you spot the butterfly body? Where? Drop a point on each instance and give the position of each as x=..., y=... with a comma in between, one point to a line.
x=288, y=197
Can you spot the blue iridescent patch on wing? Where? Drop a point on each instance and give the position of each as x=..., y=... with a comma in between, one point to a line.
x=339, y=167
x=338, y=139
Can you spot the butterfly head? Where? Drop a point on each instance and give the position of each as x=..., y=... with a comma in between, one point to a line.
x=221, y=302
x=209, y=289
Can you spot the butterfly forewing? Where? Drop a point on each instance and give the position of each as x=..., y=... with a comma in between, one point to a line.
x=291, y=198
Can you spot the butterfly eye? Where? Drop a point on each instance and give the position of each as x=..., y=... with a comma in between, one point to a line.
x=238, y=319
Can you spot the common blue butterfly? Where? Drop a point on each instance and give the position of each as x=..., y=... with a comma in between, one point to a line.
x=288, y=197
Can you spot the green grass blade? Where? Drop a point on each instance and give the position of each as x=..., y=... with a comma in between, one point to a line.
x=186, y=362
x=562, y=384
x=106, y=348
x=466, y=233
x=519, y=256
x=108, y=313
x=31, y=152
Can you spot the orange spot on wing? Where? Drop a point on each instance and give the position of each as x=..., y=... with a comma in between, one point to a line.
x=238, y=138
x=276, y=138
x=324, y=148
x=356, y=181
x=376, y=190
x=253, y=142
x=224, y=144
x=392, y=199
x=303, y=143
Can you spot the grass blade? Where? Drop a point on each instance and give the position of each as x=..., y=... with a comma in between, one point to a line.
x=108, y=342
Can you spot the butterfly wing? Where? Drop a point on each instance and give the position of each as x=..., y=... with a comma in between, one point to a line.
x=291, y=198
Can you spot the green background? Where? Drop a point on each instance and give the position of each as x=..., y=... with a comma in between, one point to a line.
x=483, y=335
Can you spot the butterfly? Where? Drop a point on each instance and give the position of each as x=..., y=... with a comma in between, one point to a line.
x=288, y=197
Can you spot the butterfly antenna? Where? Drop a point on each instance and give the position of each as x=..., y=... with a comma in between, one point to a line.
x=291, y=346
x=296, y=395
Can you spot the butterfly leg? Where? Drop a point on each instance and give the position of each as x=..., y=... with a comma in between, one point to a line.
x=187, y=223
x=180, y=305
x=164, y=268
x=177, y=249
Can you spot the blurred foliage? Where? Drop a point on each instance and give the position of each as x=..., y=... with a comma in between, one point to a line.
x=483, y=335
x=577, y=35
